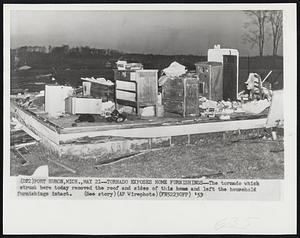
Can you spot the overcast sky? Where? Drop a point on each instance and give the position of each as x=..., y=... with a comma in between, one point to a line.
x=156, y=32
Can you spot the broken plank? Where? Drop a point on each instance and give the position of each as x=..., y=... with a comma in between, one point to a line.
x=126, y=156
x=62, y=165
x=20, y=156
x=22, y=145
x=21, y=140
x=29, y=132
x=112, y=160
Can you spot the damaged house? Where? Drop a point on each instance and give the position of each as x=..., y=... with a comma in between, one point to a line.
x=139, y=110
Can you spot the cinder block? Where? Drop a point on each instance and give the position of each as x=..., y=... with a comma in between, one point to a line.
x=160, y=142
x=206, y=138
x=252, y=133
x=141, y=144
x=180, y=140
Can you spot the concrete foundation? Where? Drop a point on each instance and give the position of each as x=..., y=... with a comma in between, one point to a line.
x=88, y=142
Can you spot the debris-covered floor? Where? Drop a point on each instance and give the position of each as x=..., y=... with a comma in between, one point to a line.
x=259, y=158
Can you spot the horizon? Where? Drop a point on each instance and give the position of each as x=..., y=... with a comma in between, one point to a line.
x=135, y=53
x=159, y=32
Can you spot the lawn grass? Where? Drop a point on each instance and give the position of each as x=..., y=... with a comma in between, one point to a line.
x=248, y=159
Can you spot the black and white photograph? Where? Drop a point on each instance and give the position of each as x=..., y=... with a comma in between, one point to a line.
x=158, y=94
x=150, y=102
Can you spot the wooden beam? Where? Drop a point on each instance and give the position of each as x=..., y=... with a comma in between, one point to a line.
x=62, y=165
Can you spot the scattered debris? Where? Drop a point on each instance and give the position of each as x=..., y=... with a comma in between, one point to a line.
x=224, y=117
x=43, y=76
x=25, y=144
x=162, y=80
x=78, y=90
x=256, y=90
x=112, y=160
x=124, y=65
x=41, y=94
x=126, y=156
x=222, y=109
x=107, y=108
x=85, y=118
x=24, y=67
x=19, y=138
x=116, y=116
x=207, y=104
x=256, y=106
x=102, y=81
x=174, y=70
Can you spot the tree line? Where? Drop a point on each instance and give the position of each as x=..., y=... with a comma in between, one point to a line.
x=263, y=25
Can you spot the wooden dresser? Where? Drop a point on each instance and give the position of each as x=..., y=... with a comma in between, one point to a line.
x=146, y=91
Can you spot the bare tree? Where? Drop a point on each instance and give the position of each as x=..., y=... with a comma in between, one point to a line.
x=275, y=19
x=256, y=29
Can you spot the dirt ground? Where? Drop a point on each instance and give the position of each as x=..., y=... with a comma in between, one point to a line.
x=244, y=159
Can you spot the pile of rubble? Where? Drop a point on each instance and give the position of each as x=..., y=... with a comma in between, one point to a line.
x=124, y=65
x=255, y=101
